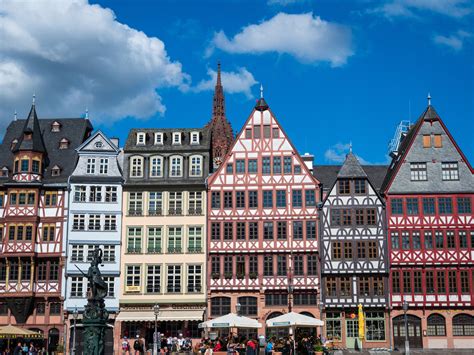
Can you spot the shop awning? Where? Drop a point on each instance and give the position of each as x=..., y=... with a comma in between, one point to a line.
x=163, y=316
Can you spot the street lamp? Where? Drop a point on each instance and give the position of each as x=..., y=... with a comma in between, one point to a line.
x=407, y=344
x=74, y=316
x=156, y=311
x=237, y=308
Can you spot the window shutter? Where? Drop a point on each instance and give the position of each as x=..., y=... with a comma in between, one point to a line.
x=437, y=141
x=426, y=141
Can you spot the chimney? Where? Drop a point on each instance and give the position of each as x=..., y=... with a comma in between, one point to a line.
x=115, y=141
x=308, y=160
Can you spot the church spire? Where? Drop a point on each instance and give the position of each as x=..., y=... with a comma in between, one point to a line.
x=218, y=107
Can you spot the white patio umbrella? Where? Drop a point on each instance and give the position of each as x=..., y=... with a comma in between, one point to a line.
x=231, y=320
x=294, y=320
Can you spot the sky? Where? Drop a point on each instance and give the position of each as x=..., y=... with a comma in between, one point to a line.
x=334, y=73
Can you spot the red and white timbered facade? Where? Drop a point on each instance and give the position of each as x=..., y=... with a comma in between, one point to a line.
x=262, y=225
x=429, y=192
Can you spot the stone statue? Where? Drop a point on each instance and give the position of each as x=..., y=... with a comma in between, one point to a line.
x=97, y=285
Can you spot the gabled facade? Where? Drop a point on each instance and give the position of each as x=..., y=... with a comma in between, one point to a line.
x=163, y=258
x=36, y=163
x=94, y=220
x=429, y=194
x=354, y=268
x=262, y=218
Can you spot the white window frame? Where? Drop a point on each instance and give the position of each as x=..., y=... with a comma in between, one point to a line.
x=136, y=166
x=194, y=278
x=77, y=287
x=110, y=194
x=194, y=137
x=134, y=239
x=155, y=203
x=135, y=200
x=90, y=168
x=132, y=274
x=79, y=222
x=77, y=253
x=176, y=275
x=154, y=276
x=93, y=222
x=195, y=239
x=95, y=193
x=158, y=138
x=175, y=239
x=450, y=171
x=195, y=165
x=154, y=239
x=176, y=166
x=109, y=254
x=156, y=166
x=110, y=281
x=103, y=166
x=418, y=171
x=195, y=202
x=141, y=138
x=176, y=138
x=80, y=193
x=175, y=202
x=110, y=223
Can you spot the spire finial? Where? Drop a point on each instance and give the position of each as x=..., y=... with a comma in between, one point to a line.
x=14, y=116
x=350, y=147
x=87, y=113
x=34, y=99
x=261, y=90
x=218, y=83
x=429, y=99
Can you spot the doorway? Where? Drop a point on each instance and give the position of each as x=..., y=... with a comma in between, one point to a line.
x=414, y=332
x=352, y=333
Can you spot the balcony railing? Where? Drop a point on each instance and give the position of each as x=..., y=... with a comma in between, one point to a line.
x=174, y=250
x=195, y=211
x=194, y=288
x=154, y=250
x=194, y=250
x=155, y=212
x=134, y=250
x=175, y=211
x=134, y=212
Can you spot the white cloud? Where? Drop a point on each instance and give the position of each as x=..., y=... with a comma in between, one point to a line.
x=284, y=2
x=454, y=41
x=72, y=55
x=337, y=154
x=240, y=81
x=412, y=8
x=306, y=37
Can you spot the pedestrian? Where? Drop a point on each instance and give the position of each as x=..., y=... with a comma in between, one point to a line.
x=125, y=346
x=269, y=349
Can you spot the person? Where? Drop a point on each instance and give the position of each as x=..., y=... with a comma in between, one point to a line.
x=251, y=347
x=32, y=350
x=138, y=346
x=269, y=348
x=18, y=349
x=125, y=346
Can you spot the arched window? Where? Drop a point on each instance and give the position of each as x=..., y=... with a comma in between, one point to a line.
x=248, y=306
x=195, y=165
x=176, y=166
x=307, y=314
x=436, y=325
x=136, y=166
x=463, y=325
x=276, y=332
x=220, y=306
x=156, y=166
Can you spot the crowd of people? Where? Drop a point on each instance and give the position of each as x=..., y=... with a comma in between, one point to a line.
x=22, y=349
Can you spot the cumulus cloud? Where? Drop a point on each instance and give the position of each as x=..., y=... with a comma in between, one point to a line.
x=240, y=81
x=412, y=8
x=337, y=154
x=454, y=41
x=306, y=37
x=73, y=54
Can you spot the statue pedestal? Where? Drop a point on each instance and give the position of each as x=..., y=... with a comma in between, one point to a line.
x=95, y=324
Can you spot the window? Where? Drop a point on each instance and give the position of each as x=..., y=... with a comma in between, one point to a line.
x=253, y=230
x=449, y=171
x=276, y=299
x=268, y=199
x=252, y=166
x=215, y=200
x=153, y=279
x=195, y=203
x=194, y=137
x=287, y=165
x=436, y=325
x=50, y=198
x=215, y=266
x=371, y=216
x=228, y=203
x=25, y=271
x=229, y=168
x=407, y=282
x=462, y=239
x=297, y=199
x=48, y=232
x=240, y=166
x=176, y=166
x=361, y=250
x=397, y=206
x=395, y=239
x=154, y=240
x=412, y=206
x=256, y=132
x=134, y=240
x=310, y=230
x=429, y=277
x=346, y=286
x=375, y=326
x=55, y=171
x=141, y=138
x=253, y=199
x=194, y=278
x=428, y=235
x=103, y=166
x=298, y=265
x=312, y=264
x=464, y=277
x=79, y=194
x=276, y=165
x=240, y=199
x=438, y=141
x=268, y=265
x=336, y=217
x=452, y=284
x=194, y=239
x=445, y=205
x=266, y=169
x=333, y=326
x=310, y=198
x=77, y=286
x=276, y=132
x=248, y=306
x=297, y=230
x=176, y=138
x=268, y=230
x=359, y=186
x=347, y=250
x=94, y=222
x=156, y=166
x=25, y=165
x=54, y=271
x=241, y=230
x=441, y=281
x=195, y=166
x=155, y=203
x=418, y=172
x=450, y=241
x=228, y=266
x=364, y=286
x=396, y=282
x=344, y=187
x=428, y=206
x=417, y=282
x=78, y=222
x=77, y=253
x=337, y=250
x=132, y=278
x=463, y=325
x=416, y=240
x=281, y=230
x=220, y=306
x=346, y=217
x=159, y=138
x=95, y=194
x=55, y=308
x=439, y=240
x=110, y=281
x=248, y=133
x=378, y=286
x=136, y=167
x=90, y=167
x=109, y=254
x=135, y=203
x=175, y=203
x=266, y=131
x=175, y=236
x=215, y=231
x=464, y=205
x=174, y=278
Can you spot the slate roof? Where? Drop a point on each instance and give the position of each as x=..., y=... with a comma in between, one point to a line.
x=32, y=127
x=327, y=174
x=75, y=130
x=351, y=168
x=185, y=146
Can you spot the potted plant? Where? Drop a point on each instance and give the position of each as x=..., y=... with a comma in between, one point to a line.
x=240, y=275
x=60, y=349
x=253, y=275
x=228, y=275
x=318, y=349
x=216, y=275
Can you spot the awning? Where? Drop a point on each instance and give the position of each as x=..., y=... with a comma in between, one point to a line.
x=163, y=316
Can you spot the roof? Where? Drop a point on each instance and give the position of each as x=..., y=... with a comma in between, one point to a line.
x=149, y=146
x=75, y=130
x=351, y=168
x=327, y=174
x=31, y=127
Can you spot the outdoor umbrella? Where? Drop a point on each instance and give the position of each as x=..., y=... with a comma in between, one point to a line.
x=12, y=332
x=231, y=320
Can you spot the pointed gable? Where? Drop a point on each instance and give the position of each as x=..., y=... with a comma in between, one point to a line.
x=31, y=138
x=98, y=142
x=351, y=168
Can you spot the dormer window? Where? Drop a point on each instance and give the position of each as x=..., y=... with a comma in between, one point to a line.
x=99, y=144
x=194, y=137
x=4, y=171
x=14, y=142
x=141, y=138
x=159, y=138
x=176, y=138
x=55, y=126
x=55, y=171
x=64, y=144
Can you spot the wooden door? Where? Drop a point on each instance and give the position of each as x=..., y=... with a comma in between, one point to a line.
x=414, y=332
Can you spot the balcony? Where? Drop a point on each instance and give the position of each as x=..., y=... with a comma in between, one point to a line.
x=134, y=250
x=154, y=250
x=155, y=212
x=195, y=212
x=134, y=213
x=174, y=250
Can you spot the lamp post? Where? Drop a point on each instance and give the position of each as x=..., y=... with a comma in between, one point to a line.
x=407, y=343
x=237, y=308
x=290, y=294
x=74, y=316
x=156, y=311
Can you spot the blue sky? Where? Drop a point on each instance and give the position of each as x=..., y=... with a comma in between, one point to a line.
x=333, y=72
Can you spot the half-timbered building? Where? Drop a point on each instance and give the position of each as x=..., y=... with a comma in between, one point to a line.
x=354, y=268
x=94, y=220
x=36, y=159
x=429, y=193
x=262, y=218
